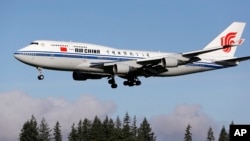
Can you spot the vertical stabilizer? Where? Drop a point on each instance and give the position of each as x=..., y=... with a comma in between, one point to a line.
x=229, y=36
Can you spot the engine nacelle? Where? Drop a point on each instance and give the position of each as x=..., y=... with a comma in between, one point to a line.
x=122, y=68
x=169, y=62
x=84, y=76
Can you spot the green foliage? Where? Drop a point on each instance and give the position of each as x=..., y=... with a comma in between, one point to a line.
x=44, y=131
x=223, y=135
x=96, y=130
x=73, y=136
x=108, y=130
x=126, y=130
x=29, y=132
x=86, y=126
x=57, y=136
x=188, y=134
x=87, y=130
x=210, y=135
x=145, y=132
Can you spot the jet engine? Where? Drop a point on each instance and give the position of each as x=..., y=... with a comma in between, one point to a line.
x=122, y=68
x=169, y=62
x=84, y=76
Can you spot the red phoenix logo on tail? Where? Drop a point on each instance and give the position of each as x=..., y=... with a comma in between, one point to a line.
x=227, y=41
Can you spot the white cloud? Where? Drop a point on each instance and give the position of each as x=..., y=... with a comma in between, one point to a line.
x=16, y=108
x=172, y=126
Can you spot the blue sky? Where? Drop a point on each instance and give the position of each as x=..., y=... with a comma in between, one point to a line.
x=215, y=98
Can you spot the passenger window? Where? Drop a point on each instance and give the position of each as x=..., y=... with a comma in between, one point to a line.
x=125, y=53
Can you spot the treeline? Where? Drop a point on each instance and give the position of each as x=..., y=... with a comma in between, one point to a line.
x=106, y=130
x=224, y=135
x=88, y=130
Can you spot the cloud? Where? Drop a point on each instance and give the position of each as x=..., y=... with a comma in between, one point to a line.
x=172, y=126
x=17, y=107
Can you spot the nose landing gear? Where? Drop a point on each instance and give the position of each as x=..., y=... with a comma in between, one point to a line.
x=40, y=76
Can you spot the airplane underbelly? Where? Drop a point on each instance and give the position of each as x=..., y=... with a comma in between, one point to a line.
x=182, y=70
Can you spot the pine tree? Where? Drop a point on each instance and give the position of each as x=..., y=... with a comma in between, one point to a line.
x=57, y=136
x=86, y=125
x=80, y=131
x=188, y=134
x=134, y=129
x=44, y=131
x=108, y=129
x=29, y=132
x=96, y=131
x=111, y=126
x=118, y=129
x=126, y=130
x=145, y=132
x=73, y=134
x=210, y=135
x=223, y=135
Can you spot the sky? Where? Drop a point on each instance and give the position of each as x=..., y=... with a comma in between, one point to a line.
x=209, y=99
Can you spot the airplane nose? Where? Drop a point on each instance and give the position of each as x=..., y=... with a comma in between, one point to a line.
x=17, y=55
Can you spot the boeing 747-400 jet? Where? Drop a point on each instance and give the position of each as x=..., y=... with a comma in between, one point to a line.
x=90, y=61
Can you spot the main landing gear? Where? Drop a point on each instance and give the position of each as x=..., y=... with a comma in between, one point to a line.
x=129, y=82
x=111, y=81
x=132, y=82
x=40, y=76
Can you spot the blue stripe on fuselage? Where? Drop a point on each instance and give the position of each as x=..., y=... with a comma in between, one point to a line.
x=77, y=55
x=105, y=57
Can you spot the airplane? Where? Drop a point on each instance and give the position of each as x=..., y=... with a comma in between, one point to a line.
x=91, y=61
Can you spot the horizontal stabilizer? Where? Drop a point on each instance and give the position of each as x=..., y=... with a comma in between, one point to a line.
x=233, y=61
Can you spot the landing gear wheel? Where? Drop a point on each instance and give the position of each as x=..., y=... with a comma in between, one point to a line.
x=137, y=83
x=125, y=83
x=111, y=81
x=114, y=86
x=40, y=77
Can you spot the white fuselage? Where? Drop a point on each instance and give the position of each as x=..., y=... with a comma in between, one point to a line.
x=73, y=56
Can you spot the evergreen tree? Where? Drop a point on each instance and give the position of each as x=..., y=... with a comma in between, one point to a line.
x=134, y=129
x=73, y=134
x=96, y=130
x=188, y=134
x=29, y=132
x=145, y=132
x=111, y=126
x=223, y=135
x=44, y=131
x=86, y=125
x=210, y=135
x=80, y=131
x=126, y=130
x=57, y=136
x=118, y=129
x=108, y=129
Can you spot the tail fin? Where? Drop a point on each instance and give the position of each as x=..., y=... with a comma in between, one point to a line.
x=229, y=36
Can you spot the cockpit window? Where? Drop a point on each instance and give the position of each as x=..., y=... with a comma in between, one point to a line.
x=34, y=43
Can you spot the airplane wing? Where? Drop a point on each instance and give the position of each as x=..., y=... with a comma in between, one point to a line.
x=153, y=66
